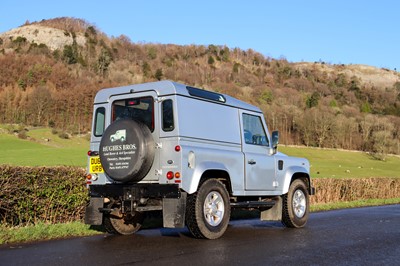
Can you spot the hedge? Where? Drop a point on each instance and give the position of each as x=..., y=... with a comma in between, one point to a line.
x=29, y=195
x=351, y=189
x=46, y=194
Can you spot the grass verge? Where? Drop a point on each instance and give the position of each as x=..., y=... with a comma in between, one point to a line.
x=43, y=231
x=353, y=204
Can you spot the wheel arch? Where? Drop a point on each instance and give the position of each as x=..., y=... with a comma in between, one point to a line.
x=297, y=173
x=220, y=175
x=208, y=170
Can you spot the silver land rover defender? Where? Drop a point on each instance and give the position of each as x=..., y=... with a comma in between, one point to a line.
x=192, y=154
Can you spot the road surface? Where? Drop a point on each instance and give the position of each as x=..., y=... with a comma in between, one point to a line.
x=364, y=236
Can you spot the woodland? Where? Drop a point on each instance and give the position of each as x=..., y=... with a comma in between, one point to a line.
x=45, y=87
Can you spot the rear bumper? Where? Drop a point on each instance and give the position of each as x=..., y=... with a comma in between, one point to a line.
x=138, y=197
x=135, y=191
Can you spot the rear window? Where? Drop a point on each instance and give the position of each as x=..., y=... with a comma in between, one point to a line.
x=139, y=109
x=99, y=121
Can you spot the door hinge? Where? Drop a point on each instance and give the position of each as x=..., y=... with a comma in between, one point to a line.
x=158, y=172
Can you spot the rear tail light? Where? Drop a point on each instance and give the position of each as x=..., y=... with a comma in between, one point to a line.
x=170, y=175
x=92, y=153
x=88, y=180
x=177, y=148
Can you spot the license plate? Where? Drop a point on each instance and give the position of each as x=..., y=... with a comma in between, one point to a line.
x=95, y=165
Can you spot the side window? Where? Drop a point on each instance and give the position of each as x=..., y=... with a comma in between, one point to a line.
x=253, y=130
x=99, y=121
x=167, y=116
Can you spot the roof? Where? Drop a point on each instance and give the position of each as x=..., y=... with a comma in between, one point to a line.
x=163, y=88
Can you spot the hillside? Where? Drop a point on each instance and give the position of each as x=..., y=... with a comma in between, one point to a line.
x=53, y=38
x=50, y=71
x=379, y=77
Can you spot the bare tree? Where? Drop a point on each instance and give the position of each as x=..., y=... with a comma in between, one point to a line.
x=39, y=102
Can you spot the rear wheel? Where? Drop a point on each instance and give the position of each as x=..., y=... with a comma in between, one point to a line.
x=296, y=205
x=208, y=210
x=116, y=222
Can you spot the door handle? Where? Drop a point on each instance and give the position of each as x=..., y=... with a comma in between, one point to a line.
x=251, y=162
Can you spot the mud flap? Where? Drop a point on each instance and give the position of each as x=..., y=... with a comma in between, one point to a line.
x=174, y=211
x=273, y=214
x=92, y=214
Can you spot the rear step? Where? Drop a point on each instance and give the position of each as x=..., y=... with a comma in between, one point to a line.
x=254, y=204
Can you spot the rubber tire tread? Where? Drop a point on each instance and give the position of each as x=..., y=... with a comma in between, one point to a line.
x=289, y=219
x=194, y=210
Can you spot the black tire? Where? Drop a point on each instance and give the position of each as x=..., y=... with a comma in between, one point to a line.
x=208, y=210
x=130, y=158
x=116, y=223
x=296, y=205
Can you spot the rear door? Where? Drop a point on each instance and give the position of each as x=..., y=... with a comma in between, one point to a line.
x=260, y=169
x=142, y=107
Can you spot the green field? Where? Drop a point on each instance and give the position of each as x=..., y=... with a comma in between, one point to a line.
x=38, y=152
x=325, y=163
x=345, y=164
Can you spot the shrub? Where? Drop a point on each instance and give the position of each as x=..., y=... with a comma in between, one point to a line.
x=19, y=40
x=63, y=135
x=22, y=134
x=211, y=60
x=330, y=190
x=69, y=55
x=41, y=194
x=159, y=74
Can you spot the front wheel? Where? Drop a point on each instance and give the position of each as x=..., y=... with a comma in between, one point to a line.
x=208, y=210
x=296, y=205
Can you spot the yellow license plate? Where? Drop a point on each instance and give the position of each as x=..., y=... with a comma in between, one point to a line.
x=95, y=165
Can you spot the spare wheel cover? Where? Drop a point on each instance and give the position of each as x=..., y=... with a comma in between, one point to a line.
x=127, y=150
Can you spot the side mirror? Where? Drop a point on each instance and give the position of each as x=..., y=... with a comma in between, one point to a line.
x=275, y=140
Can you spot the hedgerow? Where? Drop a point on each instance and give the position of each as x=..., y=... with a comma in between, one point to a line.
x=351, y=189
x=29, y=195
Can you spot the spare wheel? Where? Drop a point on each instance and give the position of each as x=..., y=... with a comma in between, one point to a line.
x=127, y=150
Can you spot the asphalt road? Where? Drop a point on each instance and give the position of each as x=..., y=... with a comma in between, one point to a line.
x=365, y=236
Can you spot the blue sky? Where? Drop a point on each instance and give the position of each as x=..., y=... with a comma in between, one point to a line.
x=336, y=32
